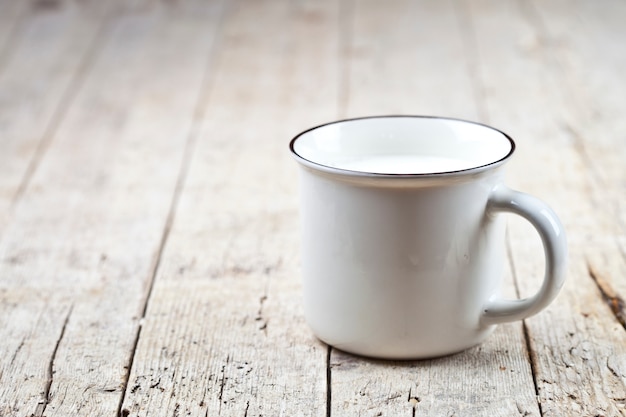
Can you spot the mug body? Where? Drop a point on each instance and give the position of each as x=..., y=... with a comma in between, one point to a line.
x=398, y=265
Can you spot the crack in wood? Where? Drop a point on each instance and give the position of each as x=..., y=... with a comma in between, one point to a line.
x=41, y=406
x=609, y=295
x=328, y=381
x=414, y=400
x=17, y=350
x=260, y=317
x=222, y=385
x=120, y=411
x=612, y=369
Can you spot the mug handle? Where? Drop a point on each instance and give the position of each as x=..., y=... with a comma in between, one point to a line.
x=503, y=199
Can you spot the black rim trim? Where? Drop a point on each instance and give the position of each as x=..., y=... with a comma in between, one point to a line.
x=348, y=172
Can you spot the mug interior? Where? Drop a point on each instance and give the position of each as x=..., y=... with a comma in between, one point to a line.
x=402, y=145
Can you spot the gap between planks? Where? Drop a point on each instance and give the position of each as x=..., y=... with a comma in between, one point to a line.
x=61, y=109
x=610, y=296
x=190, y=146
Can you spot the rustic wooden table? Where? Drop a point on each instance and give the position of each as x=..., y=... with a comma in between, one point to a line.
x=149, y=260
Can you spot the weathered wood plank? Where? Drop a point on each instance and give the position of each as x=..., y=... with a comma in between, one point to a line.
x=11, y=12
x=589, y=60
x=408, y=57
x=588, y=54
x=419, y=58
x=78, y=257
x=224, y=333
x=578, y=347
x=40, y=72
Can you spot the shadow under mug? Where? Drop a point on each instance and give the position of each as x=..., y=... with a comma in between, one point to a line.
x=402, y=245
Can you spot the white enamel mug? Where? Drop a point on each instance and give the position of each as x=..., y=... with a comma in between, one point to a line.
x=402, y=242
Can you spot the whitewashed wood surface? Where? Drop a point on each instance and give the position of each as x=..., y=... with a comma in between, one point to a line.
x=149, y=259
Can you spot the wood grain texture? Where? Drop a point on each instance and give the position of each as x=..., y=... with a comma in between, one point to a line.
x=224, y=332
x=578, y=346
x=149, y=240
x=589, y=63
x=41, y=70
x=11, y=12
x=399, y=63
x=79, y=254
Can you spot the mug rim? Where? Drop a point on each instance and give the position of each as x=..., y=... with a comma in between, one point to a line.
x=351, y=173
